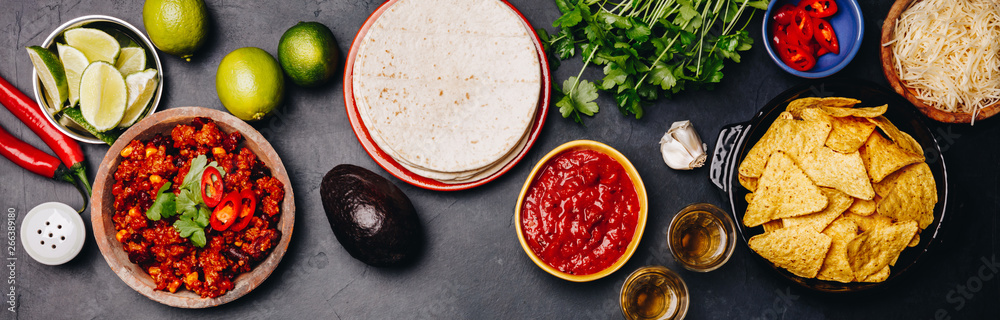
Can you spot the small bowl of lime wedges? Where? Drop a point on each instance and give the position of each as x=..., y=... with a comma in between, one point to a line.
x=95, y=76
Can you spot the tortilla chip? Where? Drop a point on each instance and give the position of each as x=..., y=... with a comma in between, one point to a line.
x=868, y=223
x=915, y=241
x=844, y=172
x=912, y=196
x=849, y=134
x=783, y=191
x=863, y=207
x=794, y=137
x=868, y=112
x=838, y=203
x=748, y=182
x=871, y=251
x=898, y=136
x=748, y=197
x=786, y=115
x=883, y=157
x=801, y=251
x=795, y=107
x=773, y=225
x=835, y=266
x=815, y=114
x=880, y=276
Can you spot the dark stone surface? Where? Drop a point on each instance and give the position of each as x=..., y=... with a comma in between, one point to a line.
x=473, y=266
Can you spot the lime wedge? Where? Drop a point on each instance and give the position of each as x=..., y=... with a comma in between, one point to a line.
x=74, y=62
x=96, y=44
x=131, y=60
x=103, y=95
x=69, y=123
x=141, y=86
x=50, y=72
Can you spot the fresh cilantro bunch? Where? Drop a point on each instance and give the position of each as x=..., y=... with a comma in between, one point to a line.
x=194, y=214
x=649, y=48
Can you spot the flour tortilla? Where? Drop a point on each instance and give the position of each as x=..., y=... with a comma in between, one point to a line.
x=447, y=94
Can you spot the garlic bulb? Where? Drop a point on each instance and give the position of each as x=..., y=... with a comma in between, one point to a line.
x=682, y=148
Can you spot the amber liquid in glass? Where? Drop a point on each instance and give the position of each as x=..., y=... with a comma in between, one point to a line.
x=699, y=239
x=650, y=294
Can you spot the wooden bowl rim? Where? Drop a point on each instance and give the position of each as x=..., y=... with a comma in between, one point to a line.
x=888, y=31
x=102, y=201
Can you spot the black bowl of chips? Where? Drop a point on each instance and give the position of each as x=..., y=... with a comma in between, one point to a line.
x=837, y=185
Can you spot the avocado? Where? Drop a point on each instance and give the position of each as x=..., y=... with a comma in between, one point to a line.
x=373, y=220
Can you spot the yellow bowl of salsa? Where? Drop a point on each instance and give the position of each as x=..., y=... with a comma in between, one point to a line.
x=581, y=212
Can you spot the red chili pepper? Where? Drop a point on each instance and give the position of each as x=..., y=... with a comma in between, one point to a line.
x=249, y=202
x=801, y=27
x=779, y=34
x=784, y=14
x=30, y=113
x=227, y=212
x=797, y=57
x=211, y=187
x=825, y=36
x=819, y=8
x=26, y=156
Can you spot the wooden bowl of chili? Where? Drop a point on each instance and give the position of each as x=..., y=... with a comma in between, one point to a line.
x=581, y=190
x=102, y=207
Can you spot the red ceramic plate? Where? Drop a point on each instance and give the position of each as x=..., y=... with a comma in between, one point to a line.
x=390, y=165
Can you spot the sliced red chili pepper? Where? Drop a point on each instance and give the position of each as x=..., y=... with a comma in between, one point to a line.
x=249, y=205
x=825, y=36
x=784, y=14
x=226, y=213
x=819, y=8
x=28, y=111
x=779, y=34
x=797, y=57
x=211, y=187
x=802, y=25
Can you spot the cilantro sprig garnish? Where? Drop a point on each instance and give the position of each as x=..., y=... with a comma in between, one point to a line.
x=649, y=48
x=194, y=214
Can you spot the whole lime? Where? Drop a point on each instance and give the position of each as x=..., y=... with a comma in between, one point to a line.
x=308, y=53
x=249, y=83
x=177, y=27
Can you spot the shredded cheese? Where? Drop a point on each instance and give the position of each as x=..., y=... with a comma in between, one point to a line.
x=948, y=51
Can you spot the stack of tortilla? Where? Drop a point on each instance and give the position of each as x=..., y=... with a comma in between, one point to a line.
x=448, y=88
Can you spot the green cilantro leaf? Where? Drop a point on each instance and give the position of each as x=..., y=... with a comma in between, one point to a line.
x=569, y=19
x=663, y=76
x=163, y=206
x=203, y=216
x=613, y=76
x=191, y=230
x=187, y=204
x=639, y=31
x=565, y=5
x=579, y=99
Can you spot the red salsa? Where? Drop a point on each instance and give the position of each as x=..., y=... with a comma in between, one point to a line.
x=580, y=214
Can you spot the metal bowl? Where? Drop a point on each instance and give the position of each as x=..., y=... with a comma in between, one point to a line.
x=107, y=24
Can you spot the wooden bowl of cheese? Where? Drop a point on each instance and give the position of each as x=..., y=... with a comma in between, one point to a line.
x=942, y=56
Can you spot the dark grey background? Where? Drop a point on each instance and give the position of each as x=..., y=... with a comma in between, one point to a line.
x=473, y=266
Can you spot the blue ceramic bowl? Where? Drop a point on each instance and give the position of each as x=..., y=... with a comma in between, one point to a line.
x=849, y=25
